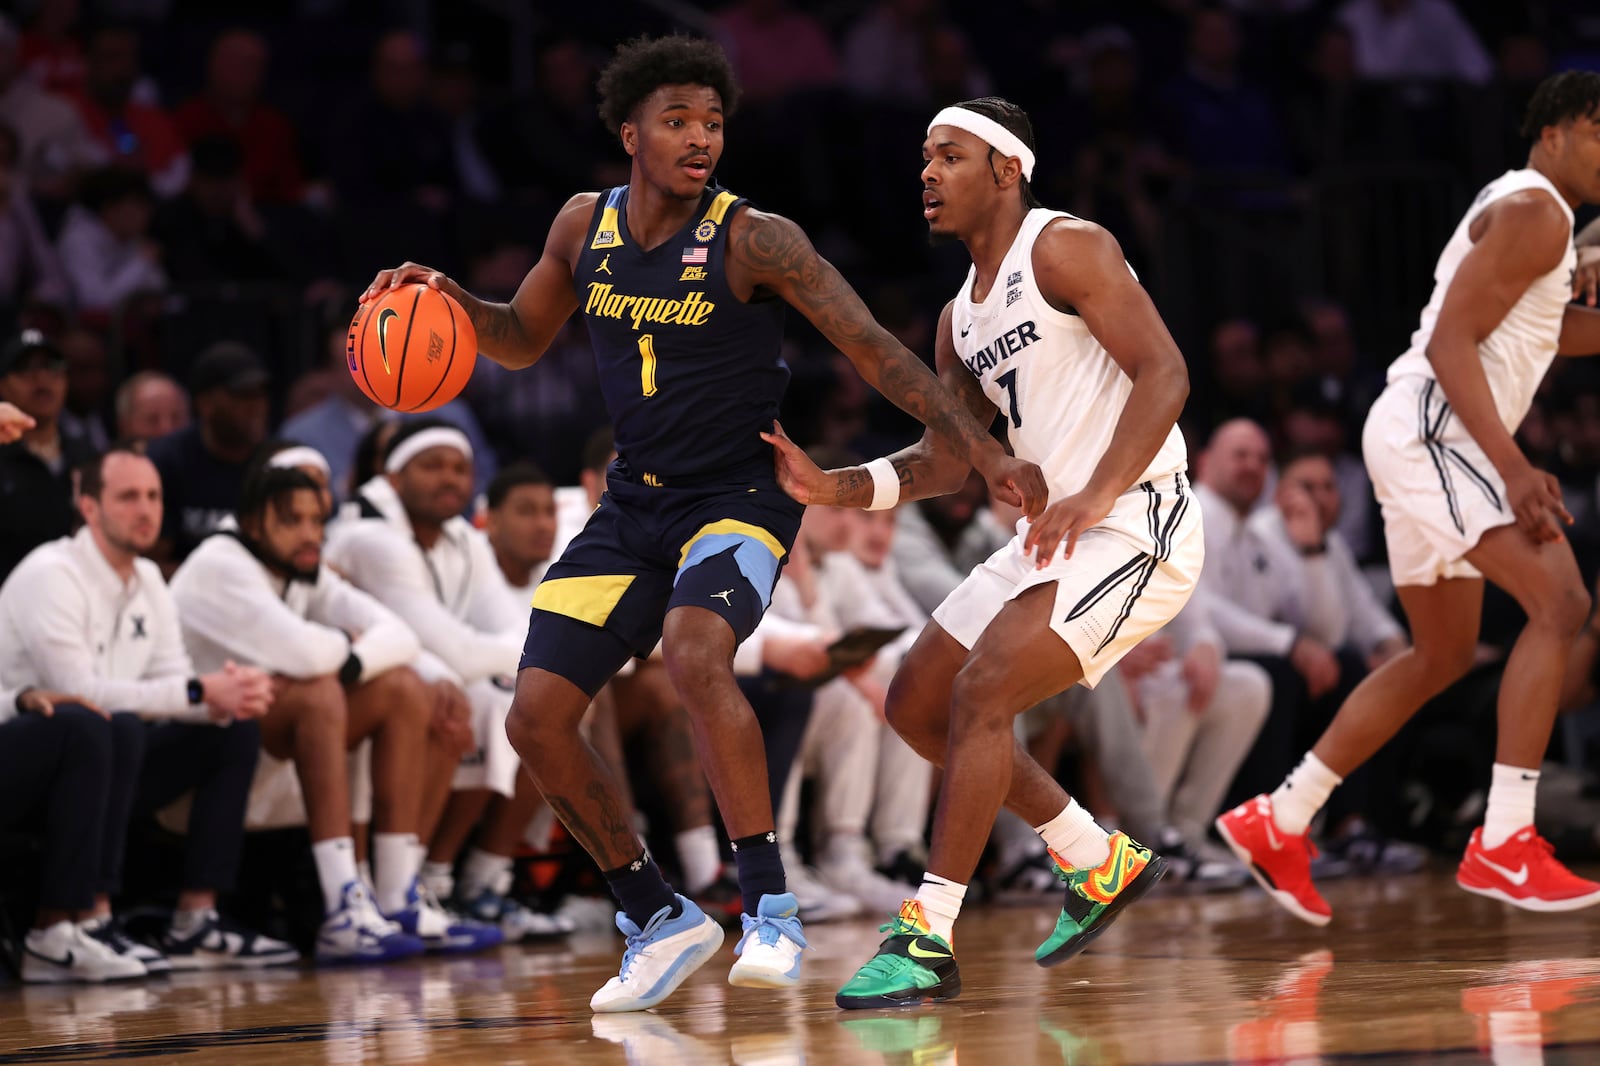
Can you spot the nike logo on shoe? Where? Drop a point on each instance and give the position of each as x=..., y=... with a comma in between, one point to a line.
x=1272, y=834
x=1518, y=876
x=65, y=961
x=917, y=951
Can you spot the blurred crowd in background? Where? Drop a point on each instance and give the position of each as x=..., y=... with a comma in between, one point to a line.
x=189, y=203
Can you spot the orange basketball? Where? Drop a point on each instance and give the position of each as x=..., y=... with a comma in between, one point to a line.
x=412, y=349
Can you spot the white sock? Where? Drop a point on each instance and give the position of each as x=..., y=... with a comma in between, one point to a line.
x=336, y=867
x=1076, y=837
x=482, y=870
x=1302, y=795
x=395, y=864
x=941, y=904
x=187, y=922
x=364, y=868
x=1511, y=794
x=699, y=856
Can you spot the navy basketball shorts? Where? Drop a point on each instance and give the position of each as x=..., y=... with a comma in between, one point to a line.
x=647, y=550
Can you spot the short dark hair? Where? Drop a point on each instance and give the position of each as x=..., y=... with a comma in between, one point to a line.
x=92, y=473
x=598, y=448
x=273, y=485
x=1016, y=121
x=1572, y=94
x=645, y=64
x=522, y=472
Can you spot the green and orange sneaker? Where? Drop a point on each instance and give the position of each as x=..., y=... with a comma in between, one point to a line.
x=1095, y=897
x=912, y=966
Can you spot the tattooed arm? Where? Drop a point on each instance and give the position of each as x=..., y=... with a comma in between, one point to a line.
x=515, y=334
x=929, y=467
x=772, y=253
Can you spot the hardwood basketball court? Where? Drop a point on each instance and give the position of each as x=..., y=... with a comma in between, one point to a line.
x=1410, y=969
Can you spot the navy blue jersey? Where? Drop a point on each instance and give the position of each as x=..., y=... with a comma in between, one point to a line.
x=691, y=374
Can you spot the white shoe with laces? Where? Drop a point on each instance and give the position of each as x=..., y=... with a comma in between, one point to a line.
x=65, y=953
x=769, y=951
x=659, y=957
x=819, y=902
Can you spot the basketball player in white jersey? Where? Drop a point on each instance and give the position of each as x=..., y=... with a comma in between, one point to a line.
x=1053, y=332
x=1460, y=504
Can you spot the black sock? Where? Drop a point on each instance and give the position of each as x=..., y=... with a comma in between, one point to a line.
x=641, y=890
x=760, y=869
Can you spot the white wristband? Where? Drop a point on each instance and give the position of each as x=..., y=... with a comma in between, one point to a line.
x=885, y=484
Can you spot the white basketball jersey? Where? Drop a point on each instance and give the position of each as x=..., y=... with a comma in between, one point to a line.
x=1517, y=354
x=1061, y=393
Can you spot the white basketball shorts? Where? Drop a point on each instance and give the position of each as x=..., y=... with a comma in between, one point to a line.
x=1439, y=492
x=1128, y=576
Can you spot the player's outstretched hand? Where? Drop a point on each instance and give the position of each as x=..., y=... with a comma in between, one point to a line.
x=1017, y=482
x=797, y=474
x=1536, y=501
x=1586, y=279
x=14, y=422
x=405, y=274
x=1062, y=521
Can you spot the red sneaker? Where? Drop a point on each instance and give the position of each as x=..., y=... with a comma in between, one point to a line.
x=1279, y=861
x=1524, y=872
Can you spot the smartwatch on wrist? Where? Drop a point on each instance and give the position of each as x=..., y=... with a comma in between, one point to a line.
x=196, y=691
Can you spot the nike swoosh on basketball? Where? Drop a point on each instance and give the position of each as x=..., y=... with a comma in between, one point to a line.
x=917, y=951
x=1517, y=877
x=387, y=315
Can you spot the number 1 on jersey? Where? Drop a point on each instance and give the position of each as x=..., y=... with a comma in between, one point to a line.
x=647, y=369
x=1008, y=381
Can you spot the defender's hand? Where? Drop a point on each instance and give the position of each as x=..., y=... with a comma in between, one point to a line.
x=1065, y=519
x=1586, y=279
x=1016, y=481
x=802, y=479
x=406, y=273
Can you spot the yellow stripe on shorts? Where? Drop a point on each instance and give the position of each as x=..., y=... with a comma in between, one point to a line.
x=588, y=599
x=737, y=528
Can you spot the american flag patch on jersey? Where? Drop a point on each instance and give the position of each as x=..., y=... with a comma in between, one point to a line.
x=695, y=255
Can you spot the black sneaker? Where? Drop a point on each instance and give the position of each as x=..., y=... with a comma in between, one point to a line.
x=220, y=944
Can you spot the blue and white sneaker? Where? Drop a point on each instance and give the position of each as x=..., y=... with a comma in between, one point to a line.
x=356, y=932
x=658, y=958
x=769, y=951
x=440, y=931
x=517, y=921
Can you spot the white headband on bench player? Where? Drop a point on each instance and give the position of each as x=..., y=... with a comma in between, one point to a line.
x=1006, y=142
x=432, y=437
x=300, y=455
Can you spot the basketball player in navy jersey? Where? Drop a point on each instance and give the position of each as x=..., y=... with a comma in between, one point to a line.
x=682, y=286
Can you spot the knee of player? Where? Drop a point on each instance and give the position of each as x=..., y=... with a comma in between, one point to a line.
x=978, y=697
x=316, y=703
x=525, y=729
x=1570, y=609
x=695, y=667
x=1446, y=664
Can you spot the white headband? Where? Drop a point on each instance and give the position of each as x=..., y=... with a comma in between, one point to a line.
x=433, y=437
x=983, y=126
x=300, y=455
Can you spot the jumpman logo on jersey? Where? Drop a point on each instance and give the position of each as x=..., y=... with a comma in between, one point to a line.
x=605, y=265
x=724, y=596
